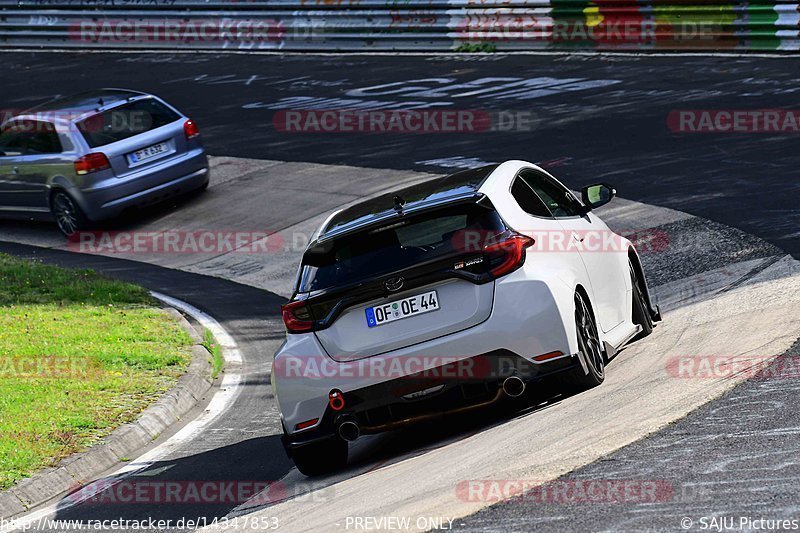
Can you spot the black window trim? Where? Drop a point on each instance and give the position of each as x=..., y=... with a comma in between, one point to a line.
x=551, y=217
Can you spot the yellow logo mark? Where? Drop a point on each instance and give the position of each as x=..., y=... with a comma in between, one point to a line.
x=593, y=16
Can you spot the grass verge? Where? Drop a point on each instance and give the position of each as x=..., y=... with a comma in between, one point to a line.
x=80, y=355
x=217, y=362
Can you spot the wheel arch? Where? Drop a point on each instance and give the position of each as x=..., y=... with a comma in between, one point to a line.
x=580, y=289
x=55, y=188
x=633, y=257
x=67, y=188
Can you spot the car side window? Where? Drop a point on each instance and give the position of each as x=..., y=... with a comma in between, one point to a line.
x=10, y=143
x=41, y=138
x=30, y=137
x=559, y=201
x=527, y=199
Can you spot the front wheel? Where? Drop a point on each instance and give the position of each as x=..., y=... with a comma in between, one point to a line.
x=68, y=214
x=321, y=457
x=590, y=347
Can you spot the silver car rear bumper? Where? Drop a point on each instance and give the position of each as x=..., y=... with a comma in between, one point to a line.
x=177, y=176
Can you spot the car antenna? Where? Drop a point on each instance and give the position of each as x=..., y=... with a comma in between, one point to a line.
x=399, y=203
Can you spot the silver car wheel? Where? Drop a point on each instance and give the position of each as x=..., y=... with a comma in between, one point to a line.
x=66, y=213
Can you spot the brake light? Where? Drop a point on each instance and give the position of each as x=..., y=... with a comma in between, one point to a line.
x=93, y=162
x=190, y=129
x=508, y=255
x=547, y=356
x=297, y=317
x=306, y=424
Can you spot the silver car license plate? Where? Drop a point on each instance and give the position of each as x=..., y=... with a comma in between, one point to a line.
x=148, y=153
x=400, y=309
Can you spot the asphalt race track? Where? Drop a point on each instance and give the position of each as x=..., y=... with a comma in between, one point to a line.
x=724, y=201
x=737, y=456
x=710, y=279
x=592, y=117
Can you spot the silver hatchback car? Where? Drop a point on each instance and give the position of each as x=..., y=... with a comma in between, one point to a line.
x=88, y=157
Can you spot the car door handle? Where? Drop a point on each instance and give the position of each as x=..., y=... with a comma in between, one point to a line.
x=577, y=237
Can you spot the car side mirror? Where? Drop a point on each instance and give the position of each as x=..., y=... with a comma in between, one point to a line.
x=593, y=196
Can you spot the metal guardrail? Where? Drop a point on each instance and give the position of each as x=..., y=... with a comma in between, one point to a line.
x=412, y=25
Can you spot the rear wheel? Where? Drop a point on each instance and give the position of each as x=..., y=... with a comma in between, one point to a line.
x=590, y=347
x=321, y=457
x=641, y=313
x=68, y=214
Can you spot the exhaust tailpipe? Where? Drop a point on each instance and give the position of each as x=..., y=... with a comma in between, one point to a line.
x=349, y=430
x=513, y=386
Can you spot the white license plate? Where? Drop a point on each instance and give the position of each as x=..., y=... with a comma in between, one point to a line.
x=400, y=309
x=148, y=153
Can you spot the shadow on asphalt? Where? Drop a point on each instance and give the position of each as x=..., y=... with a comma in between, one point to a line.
x=421, y=438
x=204, y=485
x=373, y=452
x=130, y=219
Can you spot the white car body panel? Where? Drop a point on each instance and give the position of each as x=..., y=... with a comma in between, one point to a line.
x=533, y=313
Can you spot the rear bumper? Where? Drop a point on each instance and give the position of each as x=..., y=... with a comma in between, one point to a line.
x=462, y=386
x=529, y=318
x=176, y=176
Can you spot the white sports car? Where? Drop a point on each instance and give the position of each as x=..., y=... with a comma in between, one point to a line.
x=447, y=296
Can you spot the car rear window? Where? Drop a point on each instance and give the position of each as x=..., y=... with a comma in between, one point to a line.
x=126, y=121
x=397, y=245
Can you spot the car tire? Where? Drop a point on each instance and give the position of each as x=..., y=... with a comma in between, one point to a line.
x=640, y=313
x=68, y=215
x=591, y=348
x=321, y=457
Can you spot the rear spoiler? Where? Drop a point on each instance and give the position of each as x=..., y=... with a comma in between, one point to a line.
x=325, y=239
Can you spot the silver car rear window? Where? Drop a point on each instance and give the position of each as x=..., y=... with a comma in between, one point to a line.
x=125, y=121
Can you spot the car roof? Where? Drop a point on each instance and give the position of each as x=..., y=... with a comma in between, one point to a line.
x=415, y=197
x=87, y=101
x=75, y=107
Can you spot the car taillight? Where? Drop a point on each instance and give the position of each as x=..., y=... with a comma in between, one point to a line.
x=297, y=317
x=93, y=162
x=190, y=129
x=507, y=255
